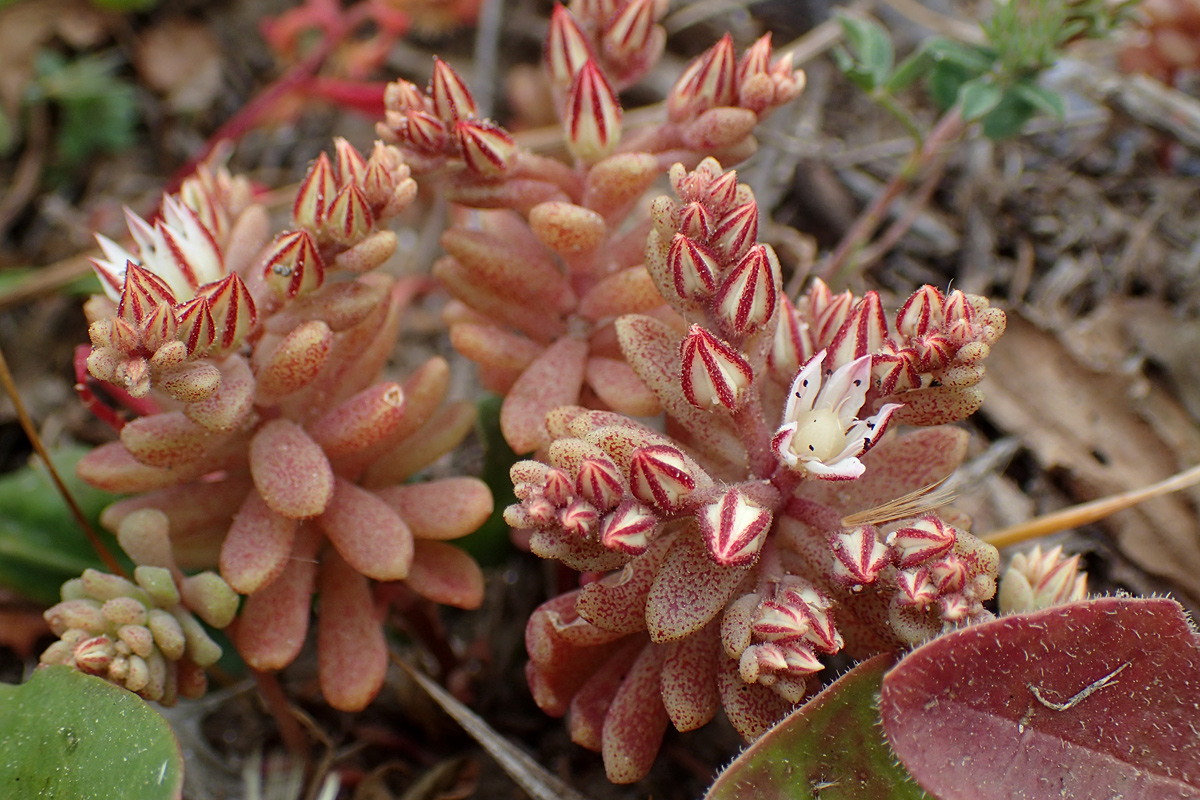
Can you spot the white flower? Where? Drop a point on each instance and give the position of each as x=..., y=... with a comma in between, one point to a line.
x=821, y=434
x=178, y=248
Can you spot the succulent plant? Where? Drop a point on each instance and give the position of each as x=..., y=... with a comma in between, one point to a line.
x=265, y=434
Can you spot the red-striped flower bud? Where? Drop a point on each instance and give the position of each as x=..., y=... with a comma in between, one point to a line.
x=693, y=267
x=593, y=115
x=232, y=310
x=349, y=218
x=920, y=312
x=695, y=221
x=142, y=294
x=863, y=333
x=713, y=372
x=425, y=133
x=746, y=299
x=196, y=328
x=599, y=482
x=315, y=194
x=859, y=556
x=350, y=164
x=557, y=487
x=914, y=589
x=293, y=265
x=925, y=539
x=487, y=149
x=791, y=346
x=630, y=35
x=402, y=96
x=709, y=81
x=580, y=518
x=452, y=100
x=734, y=528
x=628, y=528
x=567, y=48
x=659, y=477
x=737, y=231
x=159, y=328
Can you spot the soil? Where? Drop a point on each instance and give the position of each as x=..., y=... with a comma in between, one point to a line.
x=1084, y=230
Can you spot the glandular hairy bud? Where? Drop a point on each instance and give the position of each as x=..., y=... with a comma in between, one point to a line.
x=593, y=115
x=659, y=476
x=232, y=310
x=714, y=374
x=315, y=195
x=566, y=47
x=351, y=166
x=631, y=33
x=628, y=528
x=693, y=267
x=734, y=528
x=710, y=81
x=487, y=149
x=858, y=556
x=599, y=483
x=349, y=218
x=746, y=300
x=293, y=265
x=452, y=100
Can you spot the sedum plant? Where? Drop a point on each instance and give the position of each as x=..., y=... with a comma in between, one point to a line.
x=729, y=549
x=263, y=431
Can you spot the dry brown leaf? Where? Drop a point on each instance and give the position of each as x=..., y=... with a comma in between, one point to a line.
x=1084, y=423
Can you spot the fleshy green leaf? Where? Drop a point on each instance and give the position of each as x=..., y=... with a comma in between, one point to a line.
x=1095, y=699
x=830, y=748
x=68, y=735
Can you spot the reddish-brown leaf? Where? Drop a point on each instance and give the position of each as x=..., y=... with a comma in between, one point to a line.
x=1092, y=699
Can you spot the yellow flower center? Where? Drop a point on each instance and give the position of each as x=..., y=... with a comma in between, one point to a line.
x=819, y=435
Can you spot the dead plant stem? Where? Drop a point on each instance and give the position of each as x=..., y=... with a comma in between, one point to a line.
x=843, y=261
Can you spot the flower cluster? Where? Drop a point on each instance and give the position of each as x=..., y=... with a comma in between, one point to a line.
x=143, y=634
x=288, y=473
x=731, y=553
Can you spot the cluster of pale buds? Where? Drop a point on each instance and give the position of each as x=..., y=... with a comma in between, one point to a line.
x=142, y=634
x=929, y=360
x=1037, y=580
x=622, y=37
x=179, y=298
x=442, y=124
x=337, y=211
x=705, y=259
x=288, y=474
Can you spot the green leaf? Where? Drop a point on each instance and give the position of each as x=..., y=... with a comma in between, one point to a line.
x=1041, y=98
x=41, y=545
x=974, y=59
x=978, y=97
x=831, y=748
x=70, y=736
x=872, y=48
x=98, y=111
x=945, y=79
x=909, y=71
x=1007, y=118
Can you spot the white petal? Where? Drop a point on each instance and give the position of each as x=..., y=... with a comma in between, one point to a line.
x=846, y=469
x=805, y=389
x=846, y=389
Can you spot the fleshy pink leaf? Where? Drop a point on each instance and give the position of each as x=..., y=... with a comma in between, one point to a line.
x=290, y=470
x=367, y=532
x=553, y=380
x=1096, y=698
x=351, y=652
x=257, y=547
x=445, y=574
x=832, y=741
